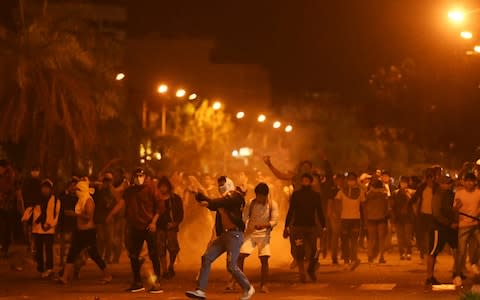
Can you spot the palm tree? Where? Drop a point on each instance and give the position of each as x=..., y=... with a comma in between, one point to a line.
x=51, y=96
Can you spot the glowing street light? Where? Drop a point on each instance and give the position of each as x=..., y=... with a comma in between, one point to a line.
x=162, y=89
x=261, y=118
x=180, y=93
x=217, y=105
x=288, y=128
x=120, y=76
x=240, y=115
x=476, y=48
x=192, y=97
x=466, y=35
x=235, y=153
x=277, y=124
x=456, y=16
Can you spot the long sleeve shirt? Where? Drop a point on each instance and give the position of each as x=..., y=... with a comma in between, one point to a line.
x=305, y=208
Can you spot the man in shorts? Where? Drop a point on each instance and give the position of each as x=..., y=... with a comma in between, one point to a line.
x=445, y=227
x=260, y=215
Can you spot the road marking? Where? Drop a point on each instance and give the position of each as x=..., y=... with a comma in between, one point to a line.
x=305, y=298
x=377, y=286
x=444, y=287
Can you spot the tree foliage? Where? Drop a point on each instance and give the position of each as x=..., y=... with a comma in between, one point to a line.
x=57, y=86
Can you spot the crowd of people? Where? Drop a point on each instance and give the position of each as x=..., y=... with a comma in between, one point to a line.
x=322, y=212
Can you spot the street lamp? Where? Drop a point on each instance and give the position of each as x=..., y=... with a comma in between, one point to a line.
x=261, y=118
x=240, y=115
x=288, y=128
x=181, y=93
x=476, y=48
x=466, y=35
x=192, y=97
x=456, y=16
x=162, y=89
x=120, y=76
x=217, y=105
x=277, y=124
x=235, y=153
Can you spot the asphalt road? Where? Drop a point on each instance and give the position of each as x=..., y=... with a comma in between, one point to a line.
x=394, y=280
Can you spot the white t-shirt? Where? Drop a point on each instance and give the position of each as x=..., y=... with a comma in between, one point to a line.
x=260, y=214
x=350, y=207
x=468, y=203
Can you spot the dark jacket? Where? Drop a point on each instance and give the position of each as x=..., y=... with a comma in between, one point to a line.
x=104, y=203
x=418, y=196
x=67, y=224
x=173, y=213
x=31, y=191
x=232, y=203
x=442, y=206
x=402, y=208
x=305, y=204
x=376, y=205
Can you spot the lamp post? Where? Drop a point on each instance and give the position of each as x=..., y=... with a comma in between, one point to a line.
x=163, y=89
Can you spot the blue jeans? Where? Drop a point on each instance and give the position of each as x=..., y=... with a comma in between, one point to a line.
x=464, y=234
x=229, y=242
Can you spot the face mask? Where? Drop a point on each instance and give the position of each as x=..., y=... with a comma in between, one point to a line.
x=222, y=189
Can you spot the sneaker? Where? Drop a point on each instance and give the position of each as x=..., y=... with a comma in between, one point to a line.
x=457, y=281
x=355, y=264
x=334, y=261
x=47, y=274
x=248, y=294
x=402, y=257
x=197, y=294
x=475, y=270
x=432, y=281
x=136, y=287
x=382, y=260
x=409, y=257
x=155, y=289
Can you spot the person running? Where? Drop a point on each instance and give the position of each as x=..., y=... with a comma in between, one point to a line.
x=43, y=216
x=168, y=226
x=301, y=224
x=85, y=236
x=142, y=210
x=229, y=228
x=445, y=227
x=261, y=216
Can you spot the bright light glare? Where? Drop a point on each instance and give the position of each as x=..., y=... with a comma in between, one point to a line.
x=181, y=93
x=245, y=152
x=240, y=115
x=456, y=16
x=277, y=125
x=235, y=153
x=262, y=118
x=466, y=35
x=192, y=97
x=217, y=105
x=476, y=48
x=163, y=88
x=288, y=128
x=158, y=155
x=120, y=76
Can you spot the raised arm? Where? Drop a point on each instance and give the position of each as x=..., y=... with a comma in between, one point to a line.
x=276, y=172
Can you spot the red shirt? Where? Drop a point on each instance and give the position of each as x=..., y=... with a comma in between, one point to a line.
x=141, y=205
